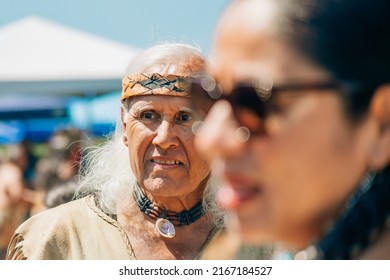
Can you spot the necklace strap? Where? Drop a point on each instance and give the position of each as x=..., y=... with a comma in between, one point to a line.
x=365, y=216
x=185, y=217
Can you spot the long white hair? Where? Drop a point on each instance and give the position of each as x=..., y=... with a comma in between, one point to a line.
x=105, y=170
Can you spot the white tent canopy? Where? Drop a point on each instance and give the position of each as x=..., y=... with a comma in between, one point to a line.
x=41, y=57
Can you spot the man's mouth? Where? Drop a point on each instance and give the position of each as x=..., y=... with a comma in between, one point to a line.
x=166, y=162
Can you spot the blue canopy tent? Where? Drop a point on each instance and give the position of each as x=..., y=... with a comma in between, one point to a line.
x=33, y=118
x=36, y=118
x=11, y=132
x=97, y=115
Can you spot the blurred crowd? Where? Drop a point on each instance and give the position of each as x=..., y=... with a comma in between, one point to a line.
x=35, y=177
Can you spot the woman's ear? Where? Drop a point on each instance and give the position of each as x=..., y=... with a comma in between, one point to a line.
x=123, y=118
x=380, y=111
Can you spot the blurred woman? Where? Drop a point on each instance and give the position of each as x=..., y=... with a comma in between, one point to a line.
x=298, y=125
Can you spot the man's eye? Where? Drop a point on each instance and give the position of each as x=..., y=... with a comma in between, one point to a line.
x=148, y=116
x=184, y=117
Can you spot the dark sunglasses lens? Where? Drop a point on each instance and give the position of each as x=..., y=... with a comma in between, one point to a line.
x=246, y=98
x=248, y=108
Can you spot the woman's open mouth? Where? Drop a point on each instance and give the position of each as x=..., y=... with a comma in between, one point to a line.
x=237, y=193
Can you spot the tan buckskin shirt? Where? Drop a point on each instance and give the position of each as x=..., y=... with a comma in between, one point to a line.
x=76, y=230
x=73, y=231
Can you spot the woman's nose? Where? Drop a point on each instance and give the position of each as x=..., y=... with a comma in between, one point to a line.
x=165, y=136
x=219, y=135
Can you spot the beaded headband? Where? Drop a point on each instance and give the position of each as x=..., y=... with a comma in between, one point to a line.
x=154, y=84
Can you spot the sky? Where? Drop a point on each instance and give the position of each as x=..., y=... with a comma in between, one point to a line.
x=139, y=23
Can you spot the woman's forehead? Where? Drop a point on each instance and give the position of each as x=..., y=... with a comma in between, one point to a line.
x=263, y=56
x=248, y=46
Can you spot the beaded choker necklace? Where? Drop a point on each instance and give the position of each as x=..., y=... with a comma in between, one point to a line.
x=166, y=220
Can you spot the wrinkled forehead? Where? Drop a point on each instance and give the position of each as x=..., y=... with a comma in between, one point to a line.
x=160, y=103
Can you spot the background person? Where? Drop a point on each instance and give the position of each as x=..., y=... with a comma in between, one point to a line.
x=16, y=196
x=57, y=172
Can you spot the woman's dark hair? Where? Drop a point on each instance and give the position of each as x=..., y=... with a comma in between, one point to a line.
x=349, y=38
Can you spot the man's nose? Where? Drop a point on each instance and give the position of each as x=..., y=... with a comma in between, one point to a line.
x=166, y=136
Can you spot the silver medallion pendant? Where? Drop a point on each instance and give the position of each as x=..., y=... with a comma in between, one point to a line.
x=165, y=228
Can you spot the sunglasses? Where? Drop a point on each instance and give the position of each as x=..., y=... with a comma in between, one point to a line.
x=252, y=102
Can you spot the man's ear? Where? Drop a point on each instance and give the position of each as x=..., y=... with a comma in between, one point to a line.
x=380, y=111
x=124, y=124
